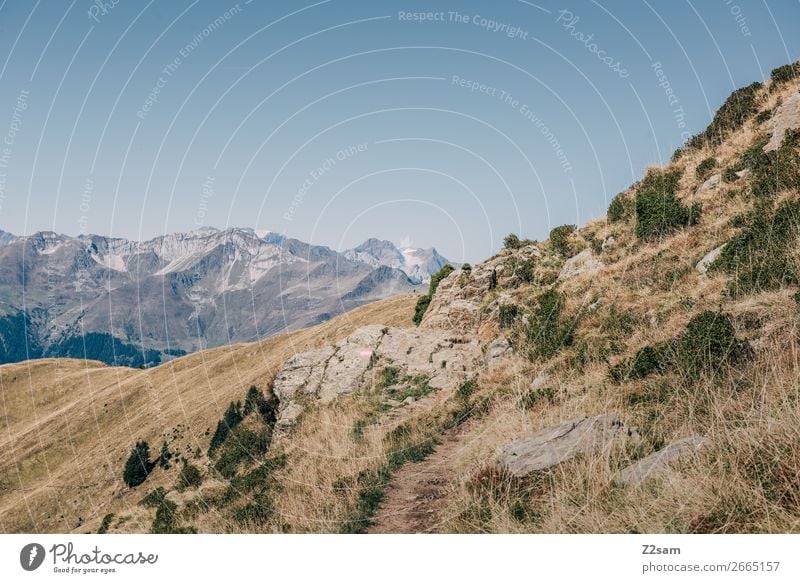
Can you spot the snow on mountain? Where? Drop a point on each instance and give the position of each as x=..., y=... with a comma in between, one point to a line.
x=418, y=264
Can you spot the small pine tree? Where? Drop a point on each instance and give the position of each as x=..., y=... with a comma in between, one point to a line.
x=138, y=466
x=164, y=456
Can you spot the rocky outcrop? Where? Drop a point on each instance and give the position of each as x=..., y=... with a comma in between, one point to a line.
x=326, y=373
x=583, y=263
x=786, y=117
x=658, y=463
x=554, y=445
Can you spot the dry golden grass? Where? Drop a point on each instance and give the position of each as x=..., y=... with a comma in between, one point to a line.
x=70, y=424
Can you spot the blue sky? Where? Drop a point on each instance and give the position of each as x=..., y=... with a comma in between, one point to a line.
x=437, y=123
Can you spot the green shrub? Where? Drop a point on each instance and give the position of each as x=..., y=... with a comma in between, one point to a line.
x=658, y=210
x=424, y=301
x=759, y=258
x=729, y=175
x=546, y=333
x=105, y=524
x=154, y=498
x=785, y=73
x=764, y=116
x=138, y=466
x=511, y=242
x=164, y=456
x=648, y=360
x=189, y=476
x=420, y=308
x=266, y=408
x=559, y=239
x=232, y=417
x=708, y=342
x=616, y=210
x=507, y=314
x=705, y=167
x=776, y=171
x=524, y=269
x=243, y=446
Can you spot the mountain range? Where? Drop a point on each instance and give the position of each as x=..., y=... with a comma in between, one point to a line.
x=137, y=303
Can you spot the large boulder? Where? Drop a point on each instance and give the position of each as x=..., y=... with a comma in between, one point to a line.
x=659, y=463
x=554, y=445
x=786, y=117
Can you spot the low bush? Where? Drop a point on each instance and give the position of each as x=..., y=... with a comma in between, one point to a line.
x=760, y=257
x=708, y=342
x=658, y=210
x=617, y=210
x=740, y=106
x=105, y=524
x=559, y=239
x=511, y=242
x=138, y=466
x=785, y=73
x=189, y=476
x=507, y=314
x=703, y=170
x=546, y=332
x=232, y=417
x=424, y=301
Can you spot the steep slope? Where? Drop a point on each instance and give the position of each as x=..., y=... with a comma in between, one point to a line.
x=70, y=424
x=140, y=303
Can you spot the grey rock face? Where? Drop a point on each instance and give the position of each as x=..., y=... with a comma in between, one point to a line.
x=326, y=373
x=583, y=263
x=658, y=463
x=554, y=445
x=786, y=117
x=703, y=265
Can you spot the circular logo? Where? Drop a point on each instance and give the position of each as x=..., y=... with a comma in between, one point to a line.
x=31, y=556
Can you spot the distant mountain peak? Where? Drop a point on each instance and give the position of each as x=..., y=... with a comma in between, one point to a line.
x=417, y=263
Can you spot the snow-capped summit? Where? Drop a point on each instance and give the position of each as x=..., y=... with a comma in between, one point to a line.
x=418, y=264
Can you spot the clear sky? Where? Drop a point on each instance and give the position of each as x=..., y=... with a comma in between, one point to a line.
x=432, y=123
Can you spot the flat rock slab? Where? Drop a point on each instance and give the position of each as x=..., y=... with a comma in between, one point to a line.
x=554, y=445
x=659, y=462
